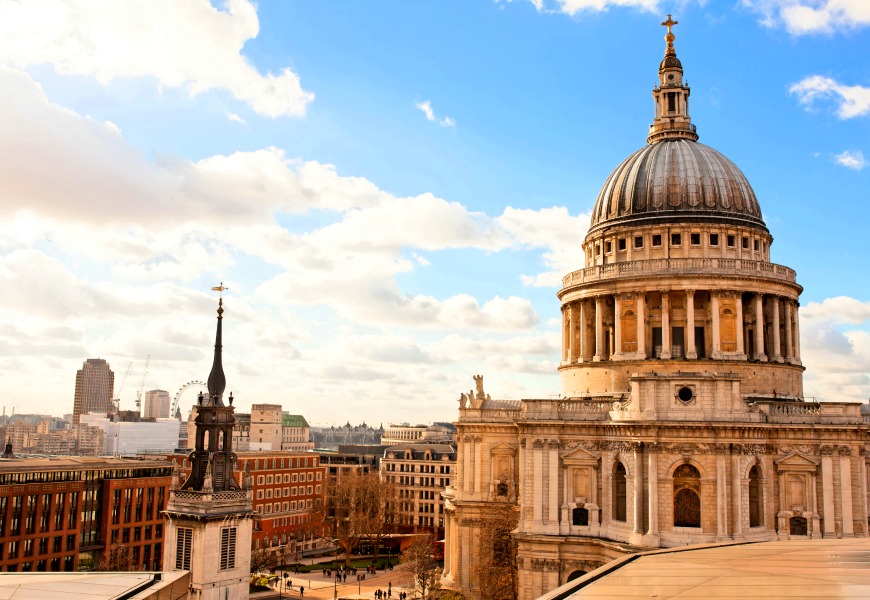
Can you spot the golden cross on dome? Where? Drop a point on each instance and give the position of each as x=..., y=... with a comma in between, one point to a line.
x=669, y=23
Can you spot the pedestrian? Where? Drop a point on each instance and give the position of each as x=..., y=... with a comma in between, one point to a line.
x=302, y=591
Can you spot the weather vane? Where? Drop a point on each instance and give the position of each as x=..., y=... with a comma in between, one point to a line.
x=220, y=288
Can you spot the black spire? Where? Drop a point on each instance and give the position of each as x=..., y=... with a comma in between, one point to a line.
x=217, y=381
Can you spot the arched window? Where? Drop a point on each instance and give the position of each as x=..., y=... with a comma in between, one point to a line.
x=629, y=331
x=728, y=330
x=575, y=574
x=754, y=497
x=687, y=496
x=619, y=493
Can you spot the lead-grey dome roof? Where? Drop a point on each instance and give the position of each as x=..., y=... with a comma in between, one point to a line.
x=676, y=180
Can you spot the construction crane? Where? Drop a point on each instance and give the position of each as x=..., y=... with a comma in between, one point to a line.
x=141, y=389
x=116, y=400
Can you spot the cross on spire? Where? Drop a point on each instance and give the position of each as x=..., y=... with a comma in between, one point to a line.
x=669, y=23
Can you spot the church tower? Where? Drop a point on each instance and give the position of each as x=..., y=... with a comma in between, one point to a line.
x=208, y=518
x=682, y=417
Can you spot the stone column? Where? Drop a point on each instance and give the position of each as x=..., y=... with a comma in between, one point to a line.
x=775, y=355
x=537, y=500
x=691, y=351
x=599, y=329
x=641, y=324
x=572, y=333
x=553, y=513
x=736, y=497
x=759, y=328
x=741, y=345
x=714, y=314
x=480, y=485
x=584, y=333
x=846, y=490
x=637, y=497
x=652, y=537
x=617, y=327
x=828, y=517
x=789, y=333
x=721, y=498
x=666, y=326
x=467, y=450
x=797, y=332
x=566, y=329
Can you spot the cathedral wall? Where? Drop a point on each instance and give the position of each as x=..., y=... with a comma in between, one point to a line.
x=613, y=377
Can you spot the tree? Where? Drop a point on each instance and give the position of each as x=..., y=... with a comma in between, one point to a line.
x=495, y=566
x=263, y=559
x=377, y=504
x=421, y=566
x=118, y=558
x=359, y=505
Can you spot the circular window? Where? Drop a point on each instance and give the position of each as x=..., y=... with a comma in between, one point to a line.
x=685, y=394
x=671, y=76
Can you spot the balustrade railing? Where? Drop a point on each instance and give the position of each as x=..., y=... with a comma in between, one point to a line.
x=725, y=266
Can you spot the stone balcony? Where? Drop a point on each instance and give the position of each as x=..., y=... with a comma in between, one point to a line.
x=679, y=266
x=808, y=411
x=209, y=503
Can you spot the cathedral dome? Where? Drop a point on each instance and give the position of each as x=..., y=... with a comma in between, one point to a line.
x=676, y=180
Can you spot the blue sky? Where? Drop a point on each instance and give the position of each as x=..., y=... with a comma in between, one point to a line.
x=391, y=190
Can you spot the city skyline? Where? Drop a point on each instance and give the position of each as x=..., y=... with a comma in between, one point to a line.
x=390, y=193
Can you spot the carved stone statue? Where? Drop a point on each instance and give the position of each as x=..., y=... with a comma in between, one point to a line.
x=463, y=399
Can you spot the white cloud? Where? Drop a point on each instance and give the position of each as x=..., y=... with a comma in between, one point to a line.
x=853, y=159
x=426, y=108
x=835, y=348
x=235, y=118
x=852, y=100
x=573, y=7
x=189, y=44
x=802, y=17
x=556, y=231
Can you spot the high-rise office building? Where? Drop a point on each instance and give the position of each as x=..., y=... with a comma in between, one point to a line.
x=156, y=404
x=95, y=383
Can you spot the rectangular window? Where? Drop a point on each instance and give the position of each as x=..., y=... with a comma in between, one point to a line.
x=638, y=241
x=745, y=243
x=310, y=478
x=696, y=239
x=228, y=548
x=676, y=239
x=714, y=239
x=260, y=479
x=183, y=543
x=657, y=239
x=755, y=245
x=620, y=244
x=730, y=240
x=608, y=247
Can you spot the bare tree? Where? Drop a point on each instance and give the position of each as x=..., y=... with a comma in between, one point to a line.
x=421, y=566
x=377, y=504
x=263, y=559
x=495, y=566
x=118, y=558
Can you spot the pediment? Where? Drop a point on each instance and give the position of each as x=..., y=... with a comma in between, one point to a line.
x=502, y=448
x=797, y=462
x=580, y=456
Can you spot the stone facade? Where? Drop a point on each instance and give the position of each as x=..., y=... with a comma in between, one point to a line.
x=420, y=472
x=682, y=417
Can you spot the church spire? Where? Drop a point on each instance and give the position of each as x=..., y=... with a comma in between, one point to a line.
x=671, y=96
x=217, y=381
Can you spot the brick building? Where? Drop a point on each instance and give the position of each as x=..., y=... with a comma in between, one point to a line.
x=289, y=490
x=67, y=514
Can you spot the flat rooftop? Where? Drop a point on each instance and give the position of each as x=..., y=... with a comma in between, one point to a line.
x=145, y=585
x=796, y=569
